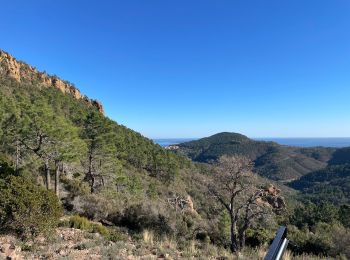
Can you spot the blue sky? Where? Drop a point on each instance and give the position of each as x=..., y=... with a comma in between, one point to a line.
x=189, y=68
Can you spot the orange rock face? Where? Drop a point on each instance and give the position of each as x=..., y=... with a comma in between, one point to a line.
x=98, y=105
x=10, y=66
x=20, y=71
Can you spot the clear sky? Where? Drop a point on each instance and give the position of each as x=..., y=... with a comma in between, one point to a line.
x=191, y=68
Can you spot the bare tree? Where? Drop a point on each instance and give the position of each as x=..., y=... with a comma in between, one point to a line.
x=234, y=186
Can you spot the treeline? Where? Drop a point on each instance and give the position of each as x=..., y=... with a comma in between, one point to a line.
x=52, y=143
x=46, y=129
x=331, y=184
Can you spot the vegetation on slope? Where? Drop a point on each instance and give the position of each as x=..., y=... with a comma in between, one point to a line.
x=331, y=184
x=100, y=169
x=111, y=174
x=271, y=160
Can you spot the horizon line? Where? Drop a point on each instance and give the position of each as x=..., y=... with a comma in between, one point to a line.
x=278, y=137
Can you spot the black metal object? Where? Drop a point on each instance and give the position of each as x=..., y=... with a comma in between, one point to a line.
x=278, y=246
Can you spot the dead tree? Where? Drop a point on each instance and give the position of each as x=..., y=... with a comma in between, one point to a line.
x=234, y=187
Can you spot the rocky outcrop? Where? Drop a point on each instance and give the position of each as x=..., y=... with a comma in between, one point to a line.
x=9, y=66
x=271, y=197
x=97, y=104
x=20, y=71
x=190, y=205
x=182, y=204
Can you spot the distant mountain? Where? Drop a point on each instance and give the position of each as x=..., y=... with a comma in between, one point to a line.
x=271, y=160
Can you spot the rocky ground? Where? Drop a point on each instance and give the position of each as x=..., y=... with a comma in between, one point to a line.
x=70, y=243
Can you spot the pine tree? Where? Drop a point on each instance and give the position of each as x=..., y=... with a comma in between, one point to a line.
x=101, y=162
x=52, y=138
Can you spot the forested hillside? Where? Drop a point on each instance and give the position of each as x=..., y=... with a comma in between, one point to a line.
x=55, y=140
x=64, y=166
x=61, y=140
x=331, y=184
x=271, y=160
x=31, y=108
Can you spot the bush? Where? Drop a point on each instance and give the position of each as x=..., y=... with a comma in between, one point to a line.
x=258, y=237
x=97, y=207
x=80, y=223
x=344, y=215
x=27, y=209
x=85, y=224
x=5, y=169
x=115, y=236
x=97, y=228
x=138, y=218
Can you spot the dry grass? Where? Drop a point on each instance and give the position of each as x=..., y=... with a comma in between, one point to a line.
x=79, y=244
x=309, y=257
x=288, y=255
x=191, y=249
x=261, y=251
x=148, y=237
x=168, y=243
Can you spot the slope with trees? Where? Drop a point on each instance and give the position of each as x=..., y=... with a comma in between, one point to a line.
x=51, y=136
x=271, y=160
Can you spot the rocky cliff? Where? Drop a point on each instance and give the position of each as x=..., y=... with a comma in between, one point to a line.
x=20, y=71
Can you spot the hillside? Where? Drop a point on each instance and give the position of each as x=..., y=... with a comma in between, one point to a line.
x=24, y=73
x=58, y=148
x=96, y=186
x=62, y=140
x=271, y=160
x=331, y=184
x=22, y=86
x=340, y=156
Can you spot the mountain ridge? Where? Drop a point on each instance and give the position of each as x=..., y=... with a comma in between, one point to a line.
x=21, y=71
x=277, y=162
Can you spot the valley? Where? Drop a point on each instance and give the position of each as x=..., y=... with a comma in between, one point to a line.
x=68, y=169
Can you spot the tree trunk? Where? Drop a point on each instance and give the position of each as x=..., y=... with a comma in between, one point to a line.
x=17, y=156
x=234, y=244
x=90, y=174
x=242, y=239
x=47, y=172
x=57, y=180
x=102, y=181
x=243, y=230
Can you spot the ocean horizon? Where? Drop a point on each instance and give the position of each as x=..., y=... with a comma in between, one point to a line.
x=337, y=142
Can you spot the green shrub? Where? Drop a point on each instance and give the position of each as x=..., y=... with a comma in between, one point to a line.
x=85, y=224
x=96, y=228
x=344, y=215
x=98, y=207
x=138, y=218
x=75, y=187
x=258, y=236
x=27, y=209
x=80, y=223
x=116, y=236
x=26, y=247
x=5, y=168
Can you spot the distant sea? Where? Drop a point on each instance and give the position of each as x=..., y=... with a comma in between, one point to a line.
x=311, y=142
x=300, y=142
x=170, y=141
